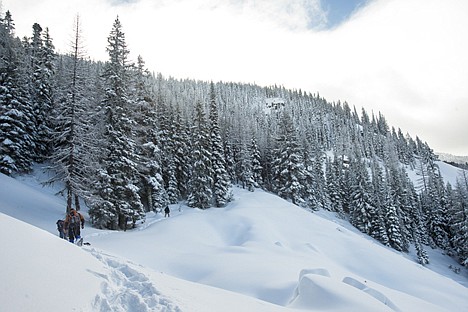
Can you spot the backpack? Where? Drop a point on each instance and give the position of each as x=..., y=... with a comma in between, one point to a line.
x=75, y=219
x=60, y=224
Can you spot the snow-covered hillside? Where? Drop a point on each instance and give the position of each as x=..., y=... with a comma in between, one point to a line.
x=260, y=253
x=453, y=158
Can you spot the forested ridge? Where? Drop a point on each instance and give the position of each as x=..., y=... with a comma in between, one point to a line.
x=127, y=141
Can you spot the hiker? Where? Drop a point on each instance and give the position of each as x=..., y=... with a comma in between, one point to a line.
x=167, y=212
x=60, y=229
x=72, y=223
x=127, y=221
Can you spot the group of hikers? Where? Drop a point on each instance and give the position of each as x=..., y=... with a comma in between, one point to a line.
x=70, y=228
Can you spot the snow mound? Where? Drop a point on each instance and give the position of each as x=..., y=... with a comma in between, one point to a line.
x=371, y=291
x=323, y=293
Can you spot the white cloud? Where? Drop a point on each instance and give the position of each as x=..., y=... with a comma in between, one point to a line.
x=405, y=58
x=410, y=61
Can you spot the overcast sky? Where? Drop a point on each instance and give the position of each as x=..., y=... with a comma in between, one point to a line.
x=405, y=58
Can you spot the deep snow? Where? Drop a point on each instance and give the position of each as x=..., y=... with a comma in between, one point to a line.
x=260, y=253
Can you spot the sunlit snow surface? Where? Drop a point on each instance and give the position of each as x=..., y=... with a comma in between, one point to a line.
x=260, y=253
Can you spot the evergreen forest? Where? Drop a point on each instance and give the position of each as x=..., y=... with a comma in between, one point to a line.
x=127, y=141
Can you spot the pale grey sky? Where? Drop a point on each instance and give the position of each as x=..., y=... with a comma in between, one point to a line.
x=405, y=58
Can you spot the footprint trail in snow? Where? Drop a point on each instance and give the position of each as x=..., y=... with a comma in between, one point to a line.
x=125, y=289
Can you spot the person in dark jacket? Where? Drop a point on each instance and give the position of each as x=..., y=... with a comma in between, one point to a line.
x=72, y=224
x=167, y=212
x=60, y=228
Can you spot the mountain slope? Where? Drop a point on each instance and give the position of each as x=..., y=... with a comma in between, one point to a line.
x=259, y=247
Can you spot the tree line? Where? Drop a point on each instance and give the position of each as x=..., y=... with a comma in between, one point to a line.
x=127, y=141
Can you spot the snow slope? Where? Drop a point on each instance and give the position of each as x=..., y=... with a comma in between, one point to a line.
x=260, y=253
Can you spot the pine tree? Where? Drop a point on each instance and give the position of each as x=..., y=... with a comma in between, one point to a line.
x=17, y=120
x=229, y=155
x=201, y=180
x=166, y=146
x=392, y=220
x=435, y=207
x=334, y=176
x=41, y=55
x=152, y=188
x=181, y=154
x=395, y=238
x=71, y=140
x=119, y=200
x=361, y=209
x=288, y=166
x=256, y=164
x=403, y=203
x=459, y=218
x=246, y=172
x=221, y=184
x=415, y=221
x=267, y=159
x=311, y=189
x=379, y=190
x=156, y=195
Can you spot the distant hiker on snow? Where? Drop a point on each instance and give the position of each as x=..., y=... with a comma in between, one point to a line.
x=60, y=228
x=167, y=212
x=72, y=224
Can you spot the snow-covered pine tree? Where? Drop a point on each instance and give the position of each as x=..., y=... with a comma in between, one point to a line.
x=417, y=227
x=245, y=169
x=119, y=201
x=17, y=120
x=256, y=164
x=319, y=182
x=424, y=164
x=171, y=184
x=392, y=220
x=221, y=182
x=229, y=154
x=379, y=191
x=288, y=166
x=411, y=220
x=459, y=218
x=361, y=209
x=269, y=146
x=166, y=146
x=181, y=153
x=310, y=191
x=334, y=175
x=367, y=134
x=152, y=186
x=41, y=54
x=434, y=202
x=403, y=150
x=201, y=180
x=71, y=143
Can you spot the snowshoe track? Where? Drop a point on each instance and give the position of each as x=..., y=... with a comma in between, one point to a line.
x=125, y=289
